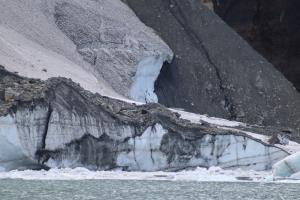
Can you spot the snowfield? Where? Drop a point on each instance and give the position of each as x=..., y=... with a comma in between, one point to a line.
x=30, y=59
x=103, y=51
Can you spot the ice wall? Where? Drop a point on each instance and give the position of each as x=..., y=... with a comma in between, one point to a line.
x=148, y=69
x=83, y=141
x=157, y=149
x=59, y=124
x=21, y=135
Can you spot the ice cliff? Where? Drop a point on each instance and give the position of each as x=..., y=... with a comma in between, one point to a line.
x=56, y=123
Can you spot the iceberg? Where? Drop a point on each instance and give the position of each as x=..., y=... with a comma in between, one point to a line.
x=288, y=166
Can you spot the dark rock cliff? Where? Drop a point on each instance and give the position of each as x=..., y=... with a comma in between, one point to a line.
x=271, y=27
x=214, y=70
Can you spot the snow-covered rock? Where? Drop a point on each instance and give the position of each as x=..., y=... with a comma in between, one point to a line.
x=100, y=44
x=288, y=166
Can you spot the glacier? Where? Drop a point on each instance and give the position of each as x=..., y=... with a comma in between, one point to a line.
x=90, y=124
x=58, y=124
x=13, y=154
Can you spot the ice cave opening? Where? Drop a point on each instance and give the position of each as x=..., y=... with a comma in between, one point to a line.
x=148, y=70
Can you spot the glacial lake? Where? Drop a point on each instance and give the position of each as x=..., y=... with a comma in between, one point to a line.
x=16, y=189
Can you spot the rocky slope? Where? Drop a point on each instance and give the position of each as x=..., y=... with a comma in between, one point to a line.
x=58, y=124
x=214, y=71
x=271, y=27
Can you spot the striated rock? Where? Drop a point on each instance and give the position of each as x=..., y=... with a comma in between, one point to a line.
x=215, y=71
x=271, y=27
x=58, y=124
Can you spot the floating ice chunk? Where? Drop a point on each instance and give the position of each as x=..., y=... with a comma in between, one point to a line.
x=296, y=176
x=199, y=174
x=288, y=166
x=147, y=72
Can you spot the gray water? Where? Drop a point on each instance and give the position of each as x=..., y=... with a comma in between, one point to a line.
x=144, y=190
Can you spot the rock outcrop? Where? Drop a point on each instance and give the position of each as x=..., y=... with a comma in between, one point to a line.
x=271, y=27
x=56, y=123
x=214, y=70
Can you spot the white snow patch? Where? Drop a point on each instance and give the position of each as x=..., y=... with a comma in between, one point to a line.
x=30, y=59
x=292, y=147
x=197, y=118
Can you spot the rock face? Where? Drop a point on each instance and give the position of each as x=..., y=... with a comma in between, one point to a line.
x=58, y=124
x=214, y=71
x=100, y=44
x=271, y=27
